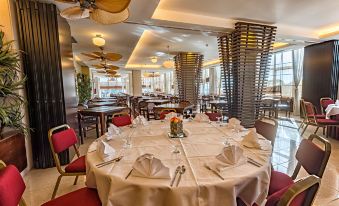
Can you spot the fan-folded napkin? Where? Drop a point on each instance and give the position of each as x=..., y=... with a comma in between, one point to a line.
x=105, y=151
x=148, y=166
x=251, y=139
x=229, y=157
x=112, y=131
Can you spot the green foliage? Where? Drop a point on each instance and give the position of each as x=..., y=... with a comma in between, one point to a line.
x=11, y=102
x=84, y=87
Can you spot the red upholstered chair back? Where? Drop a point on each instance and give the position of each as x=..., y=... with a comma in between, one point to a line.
x=213, y=115
x=121, y=121
x=324, y=102
x=312, y=158
x=267, y=130
x=163, y=114
x=309, y=109
x=63, y=140
x=12, y=186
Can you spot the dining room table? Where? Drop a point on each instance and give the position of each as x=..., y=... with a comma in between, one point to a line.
x=101, y=112
x=217, y=104
x=332, y=110
x=101, y=104
x=179, y=107
x=197, y=185
x=158, y=101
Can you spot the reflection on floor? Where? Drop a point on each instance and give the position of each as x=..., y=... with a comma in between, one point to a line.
x=40, y=183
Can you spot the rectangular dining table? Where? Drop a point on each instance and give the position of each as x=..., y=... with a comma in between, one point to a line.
x=100, y=112
x=158, y=101
x=100, y=104
x=179, y=107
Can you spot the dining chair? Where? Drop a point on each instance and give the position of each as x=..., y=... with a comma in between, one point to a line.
x=213, y=116
x=312, y=119
x=267, y=128
x=121, y=119
x=12, y=187
x=163, y=113
x=60, y=139
x=312, y=158
x=324, y=102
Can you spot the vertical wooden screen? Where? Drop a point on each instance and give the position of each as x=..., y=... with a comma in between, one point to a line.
x=188, y=72
x=245, y=56
x=39, y=41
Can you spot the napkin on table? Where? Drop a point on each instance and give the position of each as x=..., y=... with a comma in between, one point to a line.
x=337, y=102
x=251, y=139
x=112, y=130
x=105, y=151
x=142, y=120
x=201, y=117
x=148, y=166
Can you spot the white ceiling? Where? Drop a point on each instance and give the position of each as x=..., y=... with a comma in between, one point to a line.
x=188, y=25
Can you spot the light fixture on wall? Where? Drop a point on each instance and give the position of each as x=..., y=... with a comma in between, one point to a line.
x=98, y=40
x=168, y=64
x=154, y=59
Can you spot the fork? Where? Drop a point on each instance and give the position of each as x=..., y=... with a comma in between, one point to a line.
x=182, y=171
x=109, y=162
x=175, y=175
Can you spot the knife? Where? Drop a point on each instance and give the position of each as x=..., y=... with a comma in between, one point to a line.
x=109, y=162
x=215, y=172
x=175, y=175
x=130, y=172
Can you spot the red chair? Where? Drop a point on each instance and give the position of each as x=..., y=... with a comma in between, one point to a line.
x=121, y=119
x=213, y=116
x=166, y=111
x=60, y=141
x=309, y=156
x=312, y=119
x=266, y=129
x=12, y=188
x=324, y=102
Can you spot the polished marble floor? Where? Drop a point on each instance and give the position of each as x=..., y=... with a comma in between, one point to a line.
x=40, y=183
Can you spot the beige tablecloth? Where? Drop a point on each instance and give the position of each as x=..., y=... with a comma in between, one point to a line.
x=332, y=110
x=199, y=186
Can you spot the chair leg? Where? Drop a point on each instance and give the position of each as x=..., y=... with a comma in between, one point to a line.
x=323, y=130
x=56, y=186
x=76, y=180
x=97, y=129
x=301, y=125
x=316, y=130
x=304, y=130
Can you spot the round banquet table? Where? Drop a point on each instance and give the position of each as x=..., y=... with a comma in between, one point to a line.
x=198, y=185
x=331, y=110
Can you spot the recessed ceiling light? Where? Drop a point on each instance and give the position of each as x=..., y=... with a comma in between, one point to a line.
x=98, y=40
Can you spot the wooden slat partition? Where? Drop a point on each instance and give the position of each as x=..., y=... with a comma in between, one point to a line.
x=188, y=71
x=39, y=41
x=245, y=56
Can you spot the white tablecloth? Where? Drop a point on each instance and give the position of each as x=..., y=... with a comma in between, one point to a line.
x=199, y=186
x=331, y=110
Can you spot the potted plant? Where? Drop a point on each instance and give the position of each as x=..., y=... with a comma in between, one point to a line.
x=84, y=88
x=12, y=129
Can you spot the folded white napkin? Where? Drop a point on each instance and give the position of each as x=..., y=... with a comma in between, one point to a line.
x=148, y=166
x=142, y=120
x=251, y=140
x=170, y=115
x=201, y=117
x=230, y=155
x=337, y=102
x=105, y=151
x=234, y=121
x=112, y=131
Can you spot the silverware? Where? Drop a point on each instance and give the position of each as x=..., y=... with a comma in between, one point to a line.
x=253, y=162
x=215, y=172
x=109, y=162
x=130, y=172
x=182, y=171
x=175, y=175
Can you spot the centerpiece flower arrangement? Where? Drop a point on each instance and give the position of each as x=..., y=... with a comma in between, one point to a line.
x=176, y=127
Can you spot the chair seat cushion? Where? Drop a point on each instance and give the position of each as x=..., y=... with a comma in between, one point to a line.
x=279, y=181
x=274, y=198
x=328, y=122
x=77, y=165
x=85, y=196
x=318, y=116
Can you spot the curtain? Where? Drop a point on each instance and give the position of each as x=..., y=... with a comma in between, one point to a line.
x=297, y=65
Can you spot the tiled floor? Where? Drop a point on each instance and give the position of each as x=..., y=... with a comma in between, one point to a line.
x=40, y=183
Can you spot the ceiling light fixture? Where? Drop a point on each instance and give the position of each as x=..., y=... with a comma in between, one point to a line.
x=154, y=60
x=98, y=40
x=143, y=66
x=168, y=64
x=329, y=31
x=212, y=62
x=278, y=45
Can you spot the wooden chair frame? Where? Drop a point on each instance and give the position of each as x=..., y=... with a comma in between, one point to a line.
x=57, y=161
x=22, y=201
x=299, y=187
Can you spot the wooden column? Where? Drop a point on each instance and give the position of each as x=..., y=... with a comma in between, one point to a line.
x=188, y=72
x=245, y=54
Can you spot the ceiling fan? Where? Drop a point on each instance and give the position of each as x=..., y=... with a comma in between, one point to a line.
x=101, y=11
x=102, y=56
x=106, y=67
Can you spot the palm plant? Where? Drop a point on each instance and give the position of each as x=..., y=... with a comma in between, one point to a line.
x=11, y=102
x=84, y=87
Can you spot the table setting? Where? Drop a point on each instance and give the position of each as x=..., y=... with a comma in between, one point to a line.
x=142, y=165
x=332, y=109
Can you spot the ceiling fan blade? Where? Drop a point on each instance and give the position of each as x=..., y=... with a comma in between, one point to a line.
x=68, y=1
x=98, y=66
x=111, y=67
x=91, y=55
x=111, y=72
x=113, y=56
x=102, y=72
x=106, y=18
x=112, y=6
x=74, y=13
x=98, y=54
